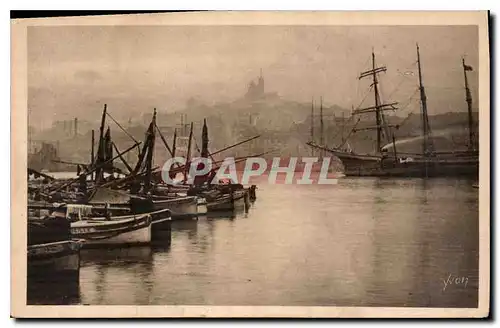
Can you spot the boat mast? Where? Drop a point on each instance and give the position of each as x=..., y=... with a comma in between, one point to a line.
x=321, y=127
x=468, y=98
x=382, y=127
x=377, y=103
x=342, y=128
x=188, y=154
x=92, y=159
x=144, y=150
x=312, y=125
x=427, y=146
x=108, y=150
x=174, y=143
x=100, y=148
x=182, y=124
x=150, y=151
x=204, y=140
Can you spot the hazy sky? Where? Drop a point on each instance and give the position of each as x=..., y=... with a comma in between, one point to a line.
x=74, y=70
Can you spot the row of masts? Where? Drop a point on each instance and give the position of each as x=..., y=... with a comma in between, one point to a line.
x=322, y=126
x=383, y=130
x=141, y=177
x=428, y=146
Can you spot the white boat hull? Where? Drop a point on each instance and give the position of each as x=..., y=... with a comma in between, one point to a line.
x=137, y=237
x=118, y=231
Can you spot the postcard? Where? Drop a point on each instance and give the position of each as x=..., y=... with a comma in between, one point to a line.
x=251, y=164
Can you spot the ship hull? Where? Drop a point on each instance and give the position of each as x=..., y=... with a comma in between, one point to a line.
x=368, y=165
x=118, y=231
x=61, y=257
x=180, y=208
x=239, y=199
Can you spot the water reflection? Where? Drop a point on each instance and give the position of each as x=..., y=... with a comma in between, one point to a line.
x=53, y=291
x=363, y=242
x=161, y=237
x=116, y=276
x=426, y=231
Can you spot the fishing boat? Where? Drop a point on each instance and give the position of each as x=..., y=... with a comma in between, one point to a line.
x=78, y=212
x=126, y=230
x=51, y=248
x=181, y=207
x=385, y=160
x=143, y=189
x=237, y=199
x=60, y=257
x=160, y=218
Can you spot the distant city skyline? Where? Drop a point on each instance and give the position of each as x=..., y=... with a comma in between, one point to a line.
x=74, y=70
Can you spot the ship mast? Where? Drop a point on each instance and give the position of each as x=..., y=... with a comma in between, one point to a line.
x=468, y=98
x=377, y=104
x=427, y=146
x=381, y=126
x=149, y=155
x=100, y=149
x=312, y=125
x=321, y=127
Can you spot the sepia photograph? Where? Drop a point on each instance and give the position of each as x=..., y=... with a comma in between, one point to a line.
x=251, y=164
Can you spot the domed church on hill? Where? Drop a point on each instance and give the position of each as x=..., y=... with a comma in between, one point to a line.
x=256, y=90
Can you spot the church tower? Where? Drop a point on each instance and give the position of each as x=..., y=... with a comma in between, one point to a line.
x=256, y=90
x=260, y=85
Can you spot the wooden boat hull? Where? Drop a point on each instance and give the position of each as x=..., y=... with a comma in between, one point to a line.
x=185, y=207
x=61, y=258
x=228, y=203
x=126, y=231
x=446, y=166
x=161, y=219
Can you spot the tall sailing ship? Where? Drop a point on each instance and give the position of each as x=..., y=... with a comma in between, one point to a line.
x=386, y=161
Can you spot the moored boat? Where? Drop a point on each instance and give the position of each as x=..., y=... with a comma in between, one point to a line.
x=386, y=161
x=181, y=207
x=126, y=230
x=228, y=202
x=60, y=258
x=160, y=218
x=51, y=249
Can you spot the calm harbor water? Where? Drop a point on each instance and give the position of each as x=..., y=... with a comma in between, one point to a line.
x=362, y=242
